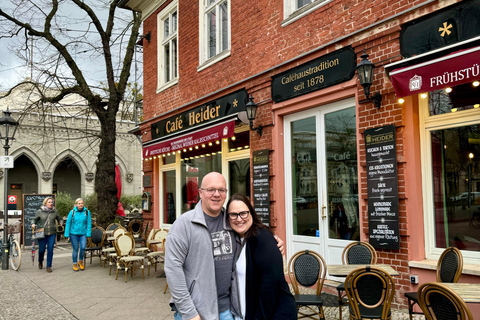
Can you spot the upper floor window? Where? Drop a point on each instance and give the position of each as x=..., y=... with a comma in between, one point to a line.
x=215, y=30
x=168, y=46
x=295, y=9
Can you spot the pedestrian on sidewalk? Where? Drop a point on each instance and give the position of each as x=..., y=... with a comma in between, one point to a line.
x=78, y=229
x=45, y=217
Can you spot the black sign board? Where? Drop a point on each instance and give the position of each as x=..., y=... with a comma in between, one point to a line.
x=31, y=203
x=453, y=24
x=382, y=184
x=326, y=71
x=261, y=185
x=213, y=111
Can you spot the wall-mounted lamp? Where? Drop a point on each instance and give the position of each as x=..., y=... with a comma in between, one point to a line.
x=251, y=109
x=365, y=75
x=148, y=36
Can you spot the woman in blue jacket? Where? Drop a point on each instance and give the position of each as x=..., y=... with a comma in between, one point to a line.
x=78, y=228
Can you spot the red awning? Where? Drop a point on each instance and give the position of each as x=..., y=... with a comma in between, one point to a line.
x=209, y=134
x=448, y=71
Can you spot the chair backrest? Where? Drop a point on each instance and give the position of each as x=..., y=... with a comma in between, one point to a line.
x=118, y=231
x=450, y=265
x=160, y=234
x=368, y=289
x=98, y=235
x=359, y=253
x=145, y=229
x=135, y=227
x=113, y=226
x=440, y=302
x=307, y=268
x=124, y=244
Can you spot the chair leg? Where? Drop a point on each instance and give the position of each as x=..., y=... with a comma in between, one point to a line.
x=116, y=273
x=166, y=287
x=149, y=263
x=411, y=303
x=126, y=272
x=340, y=304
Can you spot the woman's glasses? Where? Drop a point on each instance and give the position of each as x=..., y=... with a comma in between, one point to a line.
x=242, y=214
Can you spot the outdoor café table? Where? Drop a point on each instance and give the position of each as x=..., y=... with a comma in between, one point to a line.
x=342, y=270
x=469, y=292
x=109, y=232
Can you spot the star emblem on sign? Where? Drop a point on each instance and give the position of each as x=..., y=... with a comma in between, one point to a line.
x=235, y=103
x=445, y=29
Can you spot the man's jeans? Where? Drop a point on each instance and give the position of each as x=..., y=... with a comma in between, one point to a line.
x=225, y=315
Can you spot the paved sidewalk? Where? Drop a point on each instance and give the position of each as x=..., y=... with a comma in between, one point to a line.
x=31, y=293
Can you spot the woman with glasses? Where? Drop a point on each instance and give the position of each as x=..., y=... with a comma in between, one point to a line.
x=264, y=293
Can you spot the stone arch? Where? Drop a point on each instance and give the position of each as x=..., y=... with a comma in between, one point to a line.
x=37, y=162
x=73, y=155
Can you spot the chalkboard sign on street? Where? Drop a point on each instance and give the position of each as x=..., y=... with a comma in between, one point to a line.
x=31, y=203
x=382, y=186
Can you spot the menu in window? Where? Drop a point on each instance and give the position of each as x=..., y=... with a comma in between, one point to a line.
x=261, y=185
x=382, y=184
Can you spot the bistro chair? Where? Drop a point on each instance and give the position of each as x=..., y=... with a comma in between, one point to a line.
x=449, y=269
x=141, y=236
x=437, y=301
x=157, y=253
x=135, y=227
x=307, y=269
x=125, y=255
x=110, y=253
x=355, y=253
x=95, y=243
x=113, y=226
x=370, y=292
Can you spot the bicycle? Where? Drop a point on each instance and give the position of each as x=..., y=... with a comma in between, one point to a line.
x=15, y=253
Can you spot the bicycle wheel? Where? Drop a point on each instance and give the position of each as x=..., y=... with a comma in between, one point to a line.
x=15, y=255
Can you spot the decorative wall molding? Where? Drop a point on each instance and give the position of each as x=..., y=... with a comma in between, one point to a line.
x=129, y=177
x=46, y=175
x=89, y=176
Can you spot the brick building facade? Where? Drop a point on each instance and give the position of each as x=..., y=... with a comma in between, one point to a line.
x=297, y=60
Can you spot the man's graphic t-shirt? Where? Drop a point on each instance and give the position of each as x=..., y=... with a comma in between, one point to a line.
x=222, y=245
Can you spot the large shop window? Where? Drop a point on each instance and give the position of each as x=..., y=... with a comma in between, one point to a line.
x=453, y=133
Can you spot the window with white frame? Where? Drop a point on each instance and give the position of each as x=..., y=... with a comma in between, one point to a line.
x=168, y=46
x=451, y=165
x=295, y=9
x=214, y=30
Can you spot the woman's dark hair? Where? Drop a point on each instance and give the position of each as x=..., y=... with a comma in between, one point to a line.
x=257, y=224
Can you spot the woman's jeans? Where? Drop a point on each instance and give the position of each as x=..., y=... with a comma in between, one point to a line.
x=49, y=242
x=79, y=242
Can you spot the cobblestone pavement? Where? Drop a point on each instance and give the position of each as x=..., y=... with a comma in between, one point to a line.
x=31, y=293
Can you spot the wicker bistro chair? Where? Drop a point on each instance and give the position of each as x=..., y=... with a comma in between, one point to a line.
x=113, y=226
x=109, y=254
x=141, y=239
x=440, y=302
x=157, y=249
x=370, y=292
x=95, y=243
x=355, y=253
x=449, y=269
x=135, y=227
x=146, y=249
x=125, y=258
x=308, y=268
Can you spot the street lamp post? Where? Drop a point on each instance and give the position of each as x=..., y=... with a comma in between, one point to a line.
x=8, y=127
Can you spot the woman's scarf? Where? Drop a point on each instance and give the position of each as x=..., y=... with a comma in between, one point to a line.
x=45, y=208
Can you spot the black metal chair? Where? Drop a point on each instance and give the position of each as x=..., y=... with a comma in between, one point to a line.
x=95, y=243
x=440, y=302
x=141, y=239
x=355, y=253
x=449, y=269
x=308, y=268
x=370, y=292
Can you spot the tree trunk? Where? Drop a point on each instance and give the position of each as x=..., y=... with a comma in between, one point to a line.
x=105, y=177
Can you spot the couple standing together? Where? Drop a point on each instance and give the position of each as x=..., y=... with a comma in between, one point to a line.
x=225, y=265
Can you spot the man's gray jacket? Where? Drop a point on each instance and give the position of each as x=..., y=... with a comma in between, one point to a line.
x=190, y=269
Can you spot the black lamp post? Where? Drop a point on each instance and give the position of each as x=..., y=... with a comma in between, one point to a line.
x=8, y=127
x=365, y=74
x=251, y=110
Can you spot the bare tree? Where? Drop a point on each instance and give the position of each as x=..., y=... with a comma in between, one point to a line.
x=65, y=31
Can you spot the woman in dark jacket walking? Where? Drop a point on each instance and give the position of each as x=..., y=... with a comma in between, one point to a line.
x=264, y=292
x=45, y=218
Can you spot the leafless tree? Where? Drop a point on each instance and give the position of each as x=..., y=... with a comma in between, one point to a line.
x=70, y=36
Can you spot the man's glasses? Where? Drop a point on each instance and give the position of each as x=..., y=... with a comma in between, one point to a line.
x=242, y=214
x=211, y=191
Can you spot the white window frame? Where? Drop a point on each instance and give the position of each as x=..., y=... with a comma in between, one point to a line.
x=161, y=42
x=428, y=124
x=204, y=61
x=291, y=13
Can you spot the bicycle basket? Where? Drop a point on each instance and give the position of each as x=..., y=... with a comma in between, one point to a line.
x=14, y=228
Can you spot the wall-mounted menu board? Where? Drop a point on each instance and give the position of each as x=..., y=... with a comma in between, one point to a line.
x=31, y=203
x=382, y=185
x=261, y=185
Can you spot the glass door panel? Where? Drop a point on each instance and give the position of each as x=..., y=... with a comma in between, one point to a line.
x=239, y=176
x=342, y=175
x=169, y=196
x=304, y=177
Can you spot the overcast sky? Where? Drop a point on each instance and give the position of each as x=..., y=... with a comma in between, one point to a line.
x=14, y=70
